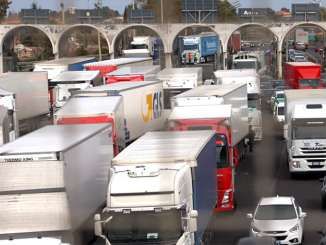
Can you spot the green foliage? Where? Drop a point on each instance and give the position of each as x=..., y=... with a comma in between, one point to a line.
x=4, y=5
x=226, y=11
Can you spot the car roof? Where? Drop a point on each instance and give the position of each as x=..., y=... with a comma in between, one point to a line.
x=276, y=201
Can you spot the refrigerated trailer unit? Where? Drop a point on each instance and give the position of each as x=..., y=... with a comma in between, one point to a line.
x=130, y=73
x=53, y=180
x=178, y=80
x=89, y=110
x=304, y=129
x=252, y=79
x=63, y=84
x=25, y=95
x=142, y=102
x=224, y=109
x=55, y=67
x=162, y=190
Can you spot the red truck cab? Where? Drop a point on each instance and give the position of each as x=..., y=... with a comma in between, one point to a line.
x=303, y=75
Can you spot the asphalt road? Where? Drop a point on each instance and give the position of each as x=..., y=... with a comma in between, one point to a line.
x=264, y=173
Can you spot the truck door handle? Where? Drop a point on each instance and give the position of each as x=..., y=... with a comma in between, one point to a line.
x=220, y=175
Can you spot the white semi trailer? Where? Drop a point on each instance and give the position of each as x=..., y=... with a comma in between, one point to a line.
x=305, y=129
x=162, y=190
x=52, y=181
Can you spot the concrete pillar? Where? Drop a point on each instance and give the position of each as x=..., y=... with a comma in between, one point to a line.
x=279, y=64
x=168, y=60
x=224, y=61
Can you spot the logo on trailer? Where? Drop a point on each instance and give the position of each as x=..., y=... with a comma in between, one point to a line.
x=152, y=109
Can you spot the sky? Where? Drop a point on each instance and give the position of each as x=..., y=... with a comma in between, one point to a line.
x=120, y=4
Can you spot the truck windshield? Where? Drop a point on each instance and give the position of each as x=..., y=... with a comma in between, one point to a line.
x=245, y=65
x=309, y=132
x=191, y=47
x=280, y=110
x=221, y=152
x=310, y=82
x=139, y=46
x=145, y=227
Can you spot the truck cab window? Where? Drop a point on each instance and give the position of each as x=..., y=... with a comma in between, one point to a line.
x=221, y=152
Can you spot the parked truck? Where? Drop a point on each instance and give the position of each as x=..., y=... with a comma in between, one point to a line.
x=304, y=130
x=179, y=80
x=89, y=110
x=252, y=79
x=140, y=46
x=142, y=102
x=303, y=75
x=55, y=67
x=199, y=48
x=224, y=109
x=130, y=73
x=162, y=190
x=106, y=66
x=53, y=181
x=63, y=84
x=25, y=95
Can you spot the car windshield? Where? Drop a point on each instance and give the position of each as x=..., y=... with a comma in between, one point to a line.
x=275, y=212
x=280, y=96
x=145, y=226
x=312, y=131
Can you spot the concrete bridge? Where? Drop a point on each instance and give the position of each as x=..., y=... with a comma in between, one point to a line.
x=167, y=33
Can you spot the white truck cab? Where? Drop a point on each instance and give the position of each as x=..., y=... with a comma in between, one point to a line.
x=305, y=129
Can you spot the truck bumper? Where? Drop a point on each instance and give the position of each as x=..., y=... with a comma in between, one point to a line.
x=301, y=165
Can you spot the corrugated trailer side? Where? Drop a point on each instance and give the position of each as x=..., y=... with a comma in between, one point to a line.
x=205, y=186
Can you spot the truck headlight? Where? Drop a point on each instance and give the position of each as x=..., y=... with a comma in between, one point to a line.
x=294, y=228
x=295, y=163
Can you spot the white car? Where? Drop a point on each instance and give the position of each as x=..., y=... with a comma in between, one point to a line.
x=278, y=112
x=278, y=217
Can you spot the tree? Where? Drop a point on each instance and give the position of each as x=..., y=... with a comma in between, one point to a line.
x=322, y=13
x=4, y=5
x=226, y=11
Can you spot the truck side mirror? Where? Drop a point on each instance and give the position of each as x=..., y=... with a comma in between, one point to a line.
x=249, y=216
x=98, y=225
x=193, y=220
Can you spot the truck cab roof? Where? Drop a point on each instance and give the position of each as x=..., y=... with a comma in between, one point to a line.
x=310, y=110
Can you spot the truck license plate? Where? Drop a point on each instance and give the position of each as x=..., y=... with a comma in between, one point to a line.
x=315, y=163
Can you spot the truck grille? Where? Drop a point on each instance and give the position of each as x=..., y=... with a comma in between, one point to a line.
x=311, y=150
x=310, y=156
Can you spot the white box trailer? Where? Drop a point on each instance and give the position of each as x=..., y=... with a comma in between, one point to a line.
x=133, y=73
x=162, y=189
x=33, y=241
x=304, y=129
x=231, y=94
x=64, y=83
x=89, y=110
x=56, y=66
x=25, y=94
x=142, y=101
x=53, y=180
x=179, y=80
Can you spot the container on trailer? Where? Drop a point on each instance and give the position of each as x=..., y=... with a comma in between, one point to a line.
x=142, y=102
x=53, y=180
x=107, y=66
x=55, y=67
x=303, y=75
x=63, y=84
x=91, y=110
x=131, y=73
